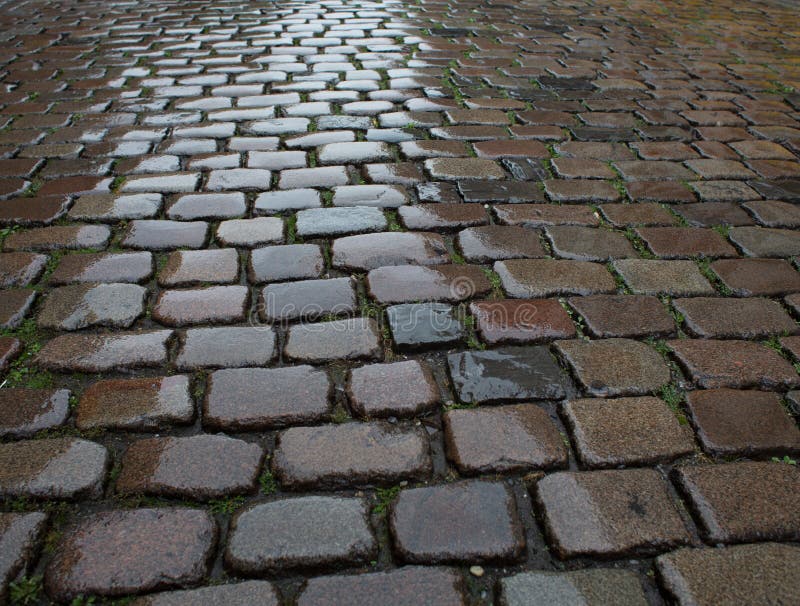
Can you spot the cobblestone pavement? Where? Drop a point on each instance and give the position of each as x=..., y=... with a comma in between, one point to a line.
x=448, y=302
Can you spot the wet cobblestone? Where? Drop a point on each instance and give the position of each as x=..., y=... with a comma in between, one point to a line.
x=399, y=302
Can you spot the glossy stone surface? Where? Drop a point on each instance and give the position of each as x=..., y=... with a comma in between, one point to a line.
x=509, y=373
x=419, y=325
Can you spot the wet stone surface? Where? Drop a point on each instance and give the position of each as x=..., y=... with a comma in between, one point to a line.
x=332, y=456
x=626, y=431
x=80, y=306
x=24, y=412
x=122, y=552
x=609, y=513
x=136, y=404
x=598, y=586
x=432, y=586
x=259, y=398
x=422, y=325
x=305, y=532
x=19, y=535
x=358, y=282
x=471, y=521
x=60, y=468
x=502, y=439
x=614, y=367
x=508, y=373
x=197, y=467
x=738, y=574
x=396, y=389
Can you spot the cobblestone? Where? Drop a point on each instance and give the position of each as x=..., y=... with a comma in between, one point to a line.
x=497, y=277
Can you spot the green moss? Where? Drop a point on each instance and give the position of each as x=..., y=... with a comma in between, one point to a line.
x=226, y=506
x=268, y=483
x=496, y=282
x=22, y=373
x=384, y=497
x=26, y=591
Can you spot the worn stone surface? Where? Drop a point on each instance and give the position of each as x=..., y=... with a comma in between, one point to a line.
x=731, y=422
x=503, y=439
x=626, y=431
x=757, y=277
x=397, y=389
x=260, y=398
x=122, y=552
x=737, y=364
x=745, y=501
x=408, y=283
x=535, y=278
x=19, y=535
x=742, y=574
x=513, y=321
x=197, y=467
x=591, y=587
x=473, y=521
x=59, y=468
x=289, y=262
x=609, y=513
x=369, y=251
x=226, y=347
x=337, y=339
x=400, y=215
x=98, y=353
x=305, y=532
x=430, y=586
x=656, y=277
x=623, y=315
x=332, y=456
x=509, y=373
x=420, y=325
x=215, y=304
x=14, y=306
x=133, y=267
x=615, y=367
x=308, y=299
x=233, y=594
x=23, y=412
x=338, y=221
x=719, y=318
x=186, y=267
x=20, y=268
x=84, y=305
x=136, y=404
x=497, y=242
